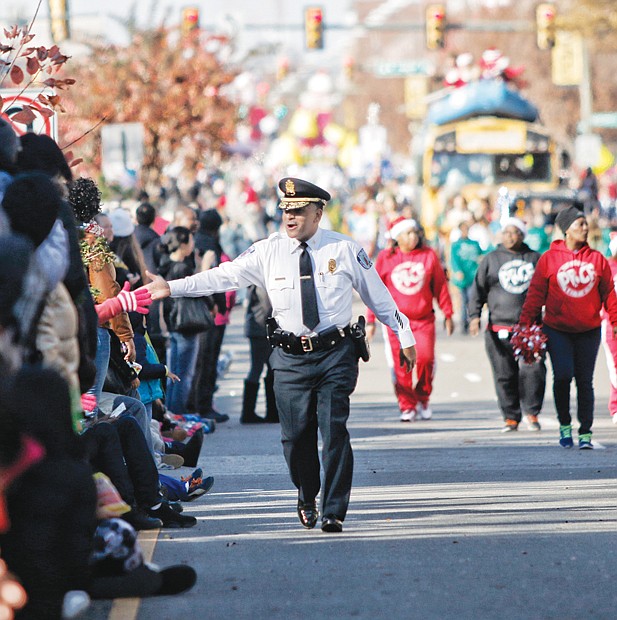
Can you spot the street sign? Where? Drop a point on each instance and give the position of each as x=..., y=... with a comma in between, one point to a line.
x=607, y=120
x=587, y=150
x=122, y=152
x=416, y=89
x=401, y=68
x=14, y=101
x=567, y=59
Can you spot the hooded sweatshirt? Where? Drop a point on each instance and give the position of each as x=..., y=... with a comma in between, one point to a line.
x=414, y=279
x=501, y=282
x=572, y=286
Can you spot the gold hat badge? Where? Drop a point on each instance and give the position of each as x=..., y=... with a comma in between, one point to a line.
x=290, y=188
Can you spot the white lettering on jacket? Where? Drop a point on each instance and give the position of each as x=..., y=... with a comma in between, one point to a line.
x=515, y=276
x=576, y=278
x=408, y=277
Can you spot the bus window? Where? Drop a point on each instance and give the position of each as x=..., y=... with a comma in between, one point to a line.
x=527, y=167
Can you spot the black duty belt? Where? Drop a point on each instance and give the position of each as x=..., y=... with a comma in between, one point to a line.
x=299, y=345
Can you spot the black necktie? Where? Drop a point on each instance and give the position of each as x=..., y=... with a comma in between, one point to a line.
x=310, y=314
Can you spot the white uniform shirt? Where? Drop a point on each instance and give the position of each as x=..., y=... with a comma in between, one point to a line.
x=339, y=265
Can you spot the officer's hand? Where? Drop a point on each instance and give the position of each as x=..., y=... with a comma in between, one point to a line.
x=449, y=323
x=158, y=288
x=474, y=326
x=370, y=330
x=407, y=358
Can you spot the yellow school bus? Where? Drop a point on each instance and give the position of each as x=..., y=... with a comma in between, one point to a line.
x=476, y=156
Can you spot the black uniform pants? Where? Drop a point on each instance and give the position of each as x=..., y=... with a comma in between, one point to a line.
x=312, y=391
x=519, y=386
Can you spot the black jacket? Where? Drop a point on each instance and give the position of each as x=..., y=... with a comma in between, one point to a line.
x=205, y=241
x=501, y=282
x=149, y=242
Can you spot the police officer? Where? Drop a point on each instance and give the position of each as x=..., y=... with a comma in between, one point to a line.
x=309, y=273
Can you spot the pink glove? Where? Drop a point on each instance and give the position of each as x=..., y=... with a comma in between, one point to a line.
x=125, y=301
x=134, y=301
x=88, y=402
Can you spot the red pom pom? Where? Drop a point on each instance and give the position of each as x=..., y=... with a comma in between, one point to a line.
x=528, y=343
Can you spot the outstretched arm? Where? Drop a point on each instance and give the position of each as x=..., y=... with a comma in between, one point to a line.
x=158, y=288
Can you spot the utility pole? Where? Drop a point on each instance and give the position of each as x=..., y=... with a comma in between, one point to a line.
x=585, y=92
x=59, y=20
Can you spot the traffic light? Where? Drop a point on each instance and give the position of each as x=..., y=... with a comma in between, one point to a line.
x=190, y=19
x=545, y=25
x=313, y=28
x=435, y=26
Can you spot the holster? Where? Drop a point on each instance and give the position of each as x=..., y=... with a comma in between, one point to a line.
x=361, y=344
x=271, y=327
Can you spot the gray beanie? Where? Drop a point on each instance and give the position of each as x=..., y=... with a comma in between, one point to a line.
x=566, y=217
x=9, y=145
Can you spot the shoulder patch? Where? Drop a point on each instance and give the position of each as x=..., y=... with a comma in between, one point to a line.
x=247, y=251
x=364, y=260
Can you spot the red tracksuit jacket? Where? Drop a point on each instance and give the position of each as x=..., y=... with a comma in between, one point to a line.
x=414, y=279
x=573, y=287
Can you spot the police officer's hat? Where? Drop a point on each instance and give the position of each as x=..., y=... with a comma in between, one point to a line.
x=299, y=193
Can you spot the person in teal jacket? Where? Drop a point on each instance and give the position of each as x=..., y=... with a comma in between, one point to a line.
x=465, y=255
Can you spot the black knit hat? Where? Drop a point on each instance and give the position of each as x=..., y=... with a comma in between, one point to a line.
x=40, y=152
x=32, y=202
x=566, y=217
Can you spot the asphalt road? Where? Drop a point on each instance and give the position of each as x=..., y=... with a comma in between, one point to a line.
x=449, y=518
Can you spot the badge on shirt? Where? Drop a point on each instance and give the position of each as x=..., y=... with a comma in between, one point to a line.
x=331, y=265
x=247, y=251
x=364, y=260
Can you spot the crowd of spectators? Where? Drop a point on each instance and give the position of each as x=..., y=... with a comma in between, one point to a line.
x=83, y=424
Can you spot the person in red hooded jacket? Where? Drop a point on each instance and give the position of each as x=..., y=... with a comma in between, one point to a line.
x=609, y=339
x=414, y=276
x=573, y=283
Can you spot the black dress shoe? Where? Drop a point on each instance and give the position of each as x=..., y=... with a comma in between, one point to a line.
x=308, y=514
x=331, y=524
x=252, y=419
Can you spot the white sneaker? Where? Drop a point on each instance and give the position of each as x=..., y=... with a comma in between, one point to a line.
x=408, y=416
x=425, y=411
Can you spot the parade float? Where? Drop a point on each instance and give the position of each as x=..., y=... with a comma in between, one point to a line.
x=481, y=133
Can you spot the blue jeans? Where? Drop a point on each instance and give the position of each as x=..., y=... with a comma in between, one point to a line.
x=464, y=307
x=181, y=359
x=101, y=361
x=573, y=356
